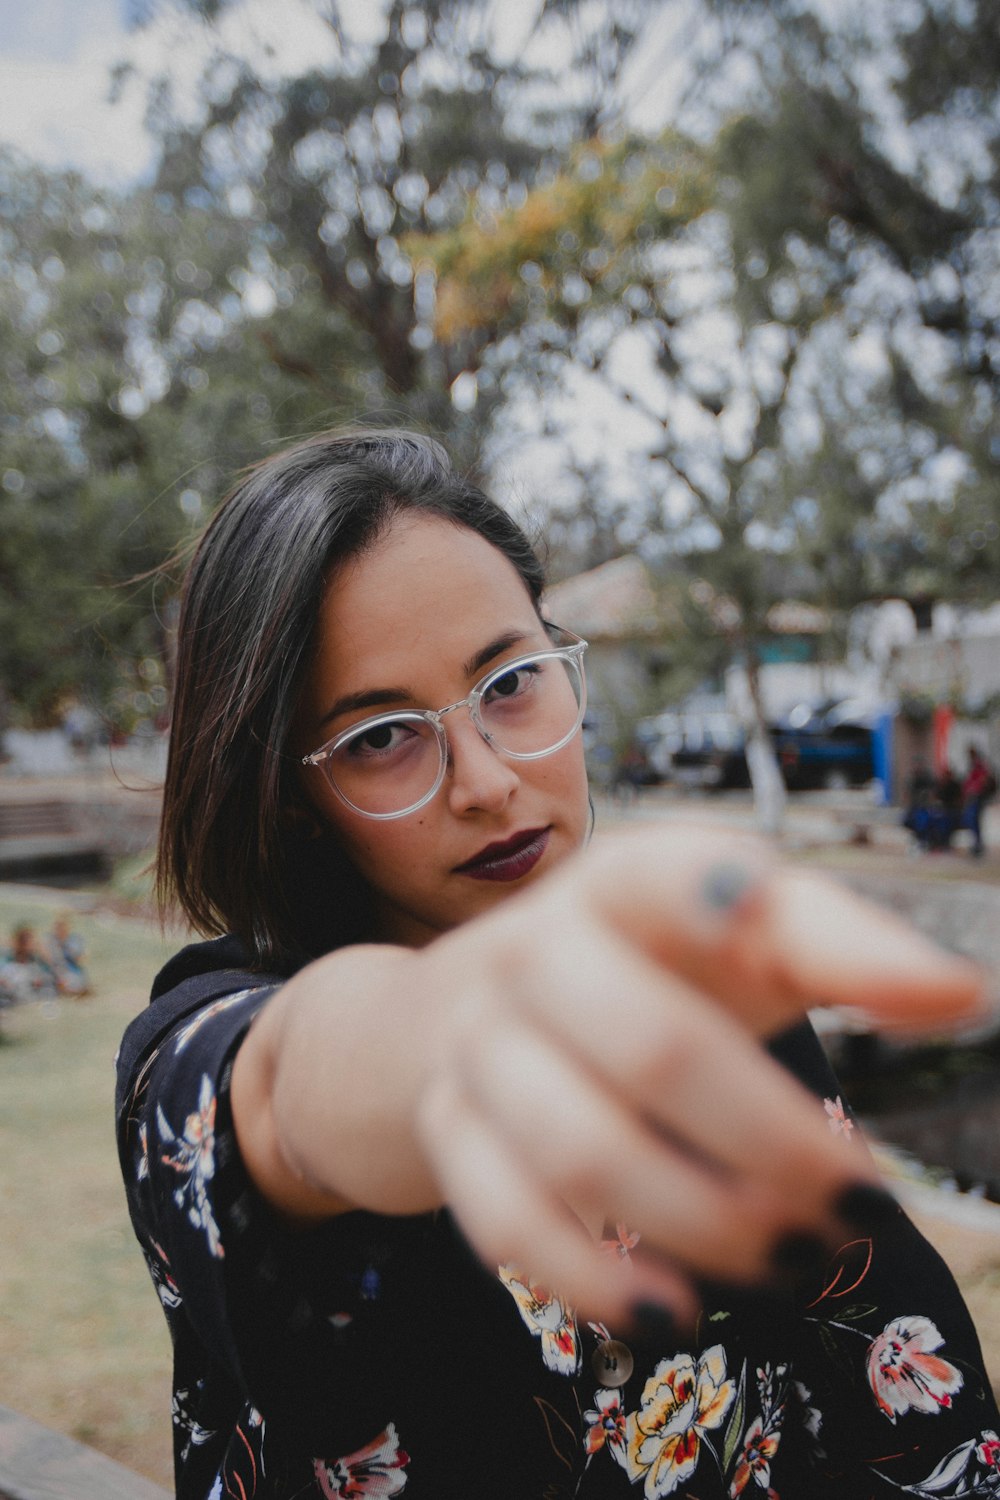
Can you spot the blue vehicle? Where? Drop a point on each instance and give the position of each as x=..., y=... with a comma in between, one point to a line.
x=830, y=745
x=699, y=744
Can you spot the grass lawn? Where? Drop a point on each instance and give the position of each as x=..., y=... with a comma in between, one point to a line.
x=83, y=1344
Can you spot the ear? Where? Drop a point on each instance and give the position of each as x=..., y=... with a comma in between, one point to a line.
x=299, y=816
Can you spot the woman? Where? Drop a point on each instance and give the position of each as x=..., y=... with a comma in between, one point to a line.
x=420, y=995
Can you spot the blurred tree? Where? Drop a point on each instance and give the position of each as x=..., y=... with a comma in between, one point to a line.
x=63, y=536
x=159, y=339
x=328, y=173
x=786, y=325
x=128, y=400
x=872, y=158
x=814, y=419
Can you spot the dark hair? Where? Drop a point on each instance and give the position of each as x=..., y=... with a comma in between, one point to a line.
x=239, y=851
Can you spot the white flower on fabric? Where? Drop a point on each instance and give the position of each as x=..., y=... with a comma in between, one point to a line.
x=680, y=1402
x=606, y=1426
x=547, y=1319
x=904, y=1371
x=375, y=1471
x=193, y=1159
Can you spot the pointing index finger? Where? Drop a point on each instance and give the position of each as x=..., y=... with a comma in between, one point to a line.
x=771, y=941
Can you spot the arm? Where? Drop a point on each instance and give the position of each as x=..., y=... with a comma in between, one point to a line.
x=325, y=1084
x=590, y=1051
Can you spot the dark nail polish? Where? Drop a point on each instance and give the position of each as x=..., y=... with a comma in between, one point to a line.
x=655, y=1325
x=796, y=1257
x=725, y=886
x=866, y=1206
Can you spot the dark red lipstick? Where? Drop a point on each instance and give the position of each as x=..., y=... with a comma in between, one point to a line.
x=510, y=860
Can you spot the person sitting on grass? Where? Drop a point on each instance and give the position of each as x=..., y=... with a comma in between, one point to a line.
x=25, y=973
x=65, y=951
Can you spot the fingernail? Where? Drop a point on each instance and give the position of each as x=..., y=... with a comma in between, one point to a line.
x=799, y=1254
x=655, y=1325
x=725, y=885
x=865, y=1205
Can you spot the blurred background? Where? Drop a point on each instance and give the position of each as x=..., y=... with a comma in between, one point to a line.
x=709, y=293
x=708, y=287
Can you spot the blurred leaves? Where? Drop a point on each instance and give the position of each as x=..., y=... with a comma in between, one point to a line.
x=795, y=305
x=578, y=233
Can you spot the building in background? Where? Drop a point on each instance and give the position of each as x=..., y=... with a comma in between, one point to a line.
x=907, y=674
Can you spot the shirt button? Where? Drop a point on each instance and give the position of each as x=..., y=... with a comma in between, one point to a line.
x=612, y=1362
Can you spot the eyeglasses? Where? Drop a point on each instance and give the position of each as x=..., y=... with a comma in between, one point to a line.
x=394, y=763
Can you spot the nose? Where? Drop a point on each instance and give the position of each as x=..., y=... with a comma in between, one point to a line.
x=477, y=776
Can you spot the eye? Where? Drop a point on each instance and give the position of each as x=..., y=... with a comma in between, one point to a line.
x=513, y=683
x=378, y=741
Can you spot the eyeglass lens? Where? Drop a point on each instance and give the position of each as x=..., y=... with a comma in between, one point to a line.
x=526, y=709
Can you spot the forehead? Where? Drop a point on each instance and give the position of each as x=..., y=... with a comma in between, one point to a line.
x=426, y=585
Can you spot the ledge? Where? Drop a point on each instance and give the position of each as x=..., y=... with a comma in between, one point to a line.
x=39, y=1464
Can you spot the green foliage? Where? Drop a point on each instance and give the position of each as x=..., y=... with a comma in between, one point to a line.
x=847, y=437
x=128, y=397
x=890, y=229
x=154, y=342
x=330, y=171
x=818, y=305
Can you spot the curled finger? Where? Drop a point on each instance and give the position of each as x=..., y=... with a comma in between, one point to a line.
x=682, y=1064
x=592, y=1150
x=513, y=1222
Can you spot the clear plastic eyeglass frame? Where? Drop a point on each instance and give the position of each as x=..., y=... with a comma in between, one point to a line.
x=572, y=654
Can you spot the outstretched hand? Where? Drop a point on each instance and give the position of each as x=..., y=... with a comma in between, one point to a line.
x=603, y=1064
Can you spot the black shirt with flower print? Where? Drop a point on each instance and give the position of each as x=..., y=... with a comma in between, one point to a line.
x=375, y=1356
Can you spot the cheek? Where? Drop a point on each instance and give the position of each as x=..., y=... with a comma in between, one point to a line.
x=564, y=777
x=366, y=842
x=383, y=852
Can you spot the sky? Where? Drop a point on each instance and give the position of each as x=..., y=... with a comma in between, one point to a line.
x=55, y=30
x=57, y=57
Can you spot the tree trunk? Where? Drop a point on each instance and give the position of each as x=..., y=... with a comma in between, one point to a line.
x=769, y=793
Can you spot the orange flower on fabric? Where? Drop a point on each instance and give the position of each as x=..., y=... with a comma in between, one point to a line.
x=623, y=1244
x=838, y=1119
x=550, y=1322
x=755, y=1460
x=680, y=1401
x=374, y=1471
x=606, y=1426
x=904, y=1371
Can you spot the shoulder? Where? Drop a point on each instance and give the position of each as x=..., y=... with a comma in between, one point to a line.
x=205, y=961
x=197, y=977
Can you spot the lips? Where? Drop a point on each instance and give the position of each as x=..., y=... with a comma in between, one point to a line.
x=510, y=860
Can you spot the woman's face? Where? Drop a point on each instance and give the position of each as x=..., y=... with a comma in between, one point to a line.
x=421, y=618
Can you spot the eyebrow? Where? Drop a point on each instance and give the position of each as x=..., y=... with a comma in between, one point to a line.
x=383, y=697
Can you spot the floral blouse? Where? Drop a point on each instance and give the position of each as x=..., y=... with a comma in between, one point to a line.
x=374, y=1356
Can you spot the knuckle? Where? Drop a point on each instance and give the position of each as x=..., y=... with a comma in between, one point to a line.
x=672, y=1049
x=579, y=1170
